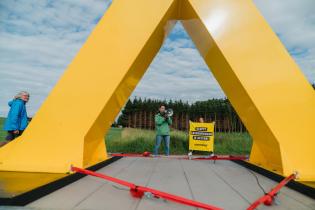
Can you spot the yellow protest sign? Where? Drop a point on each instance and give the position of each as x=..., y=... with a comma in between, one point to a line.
x=201, y=136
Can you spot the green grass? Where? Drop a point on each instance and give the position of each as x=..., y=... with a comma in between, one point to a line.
x=139, y=140
x=131, y=140
x=2, y=132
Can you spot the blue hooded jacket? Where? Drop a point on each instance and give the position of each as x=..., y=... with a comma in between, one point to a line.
x=17, y=116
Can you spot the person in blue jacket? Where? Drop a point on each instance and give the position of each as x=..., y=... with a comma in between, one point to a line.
x=16, y=121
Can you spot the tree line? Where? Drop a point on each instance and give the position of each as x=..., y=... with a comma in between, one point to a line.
x=139, y=113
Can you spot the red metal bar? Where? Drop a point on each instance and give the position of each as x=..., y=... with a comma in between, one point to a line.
x=138, y=191
x=130, y=155
x=269, y=197
x=178, y=199
x=103, y=176
x=215, y=157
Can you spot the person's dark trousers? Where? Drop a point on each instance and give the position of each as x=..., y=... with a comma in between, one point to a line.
x=12, y=135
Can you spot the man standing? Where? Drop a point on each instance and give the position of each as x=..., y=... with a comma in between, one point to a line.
x=162, y=123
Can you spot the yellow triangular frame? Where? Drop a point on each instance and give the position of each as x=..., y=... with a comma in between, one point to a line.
x=265, y=86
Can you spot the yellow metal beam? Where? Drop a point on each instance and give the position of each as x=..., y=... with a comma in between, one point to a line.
x=253, y=68
x=262, y=81
x=69, y=128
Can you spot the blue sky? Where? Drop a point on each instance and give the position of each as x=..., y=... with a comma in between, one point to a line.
x=39, y=38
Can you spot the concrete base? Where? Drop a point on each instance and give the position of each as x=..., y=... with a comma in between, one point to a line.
x=224, y=184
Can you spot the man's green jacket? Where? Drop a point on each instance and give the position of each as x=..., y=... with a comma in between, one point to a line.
x=162, y=125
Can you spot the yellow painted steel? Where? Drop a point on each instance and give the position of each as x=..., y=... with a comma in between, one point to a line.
x=201, y=136
x=264, y=84
x=16, y=183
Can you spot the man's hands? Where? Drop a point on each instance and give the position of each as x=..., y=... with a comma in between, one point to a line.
x=16, y=132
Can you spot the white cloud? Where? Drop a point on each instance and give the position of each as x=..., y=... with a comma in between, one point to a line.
x=294, y=22
x=39, y=38
x=178, y=72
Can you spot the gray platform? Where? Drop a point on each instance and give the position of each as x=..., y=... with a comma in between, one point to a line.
x=224, y=184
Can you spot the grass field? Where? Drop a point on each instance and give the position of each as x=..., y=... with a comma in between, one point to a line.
x=2, y=132
x=140, y=140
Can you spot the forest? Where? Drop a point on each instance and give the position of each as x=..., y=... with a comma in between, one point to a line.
x=139, y=113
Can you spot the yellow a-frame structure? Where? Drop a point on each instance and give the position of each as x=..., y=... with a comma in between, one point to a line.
x=257, y=74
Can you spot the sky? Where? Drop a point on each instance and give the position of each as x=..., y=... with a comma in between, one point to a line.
x=39, y=39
